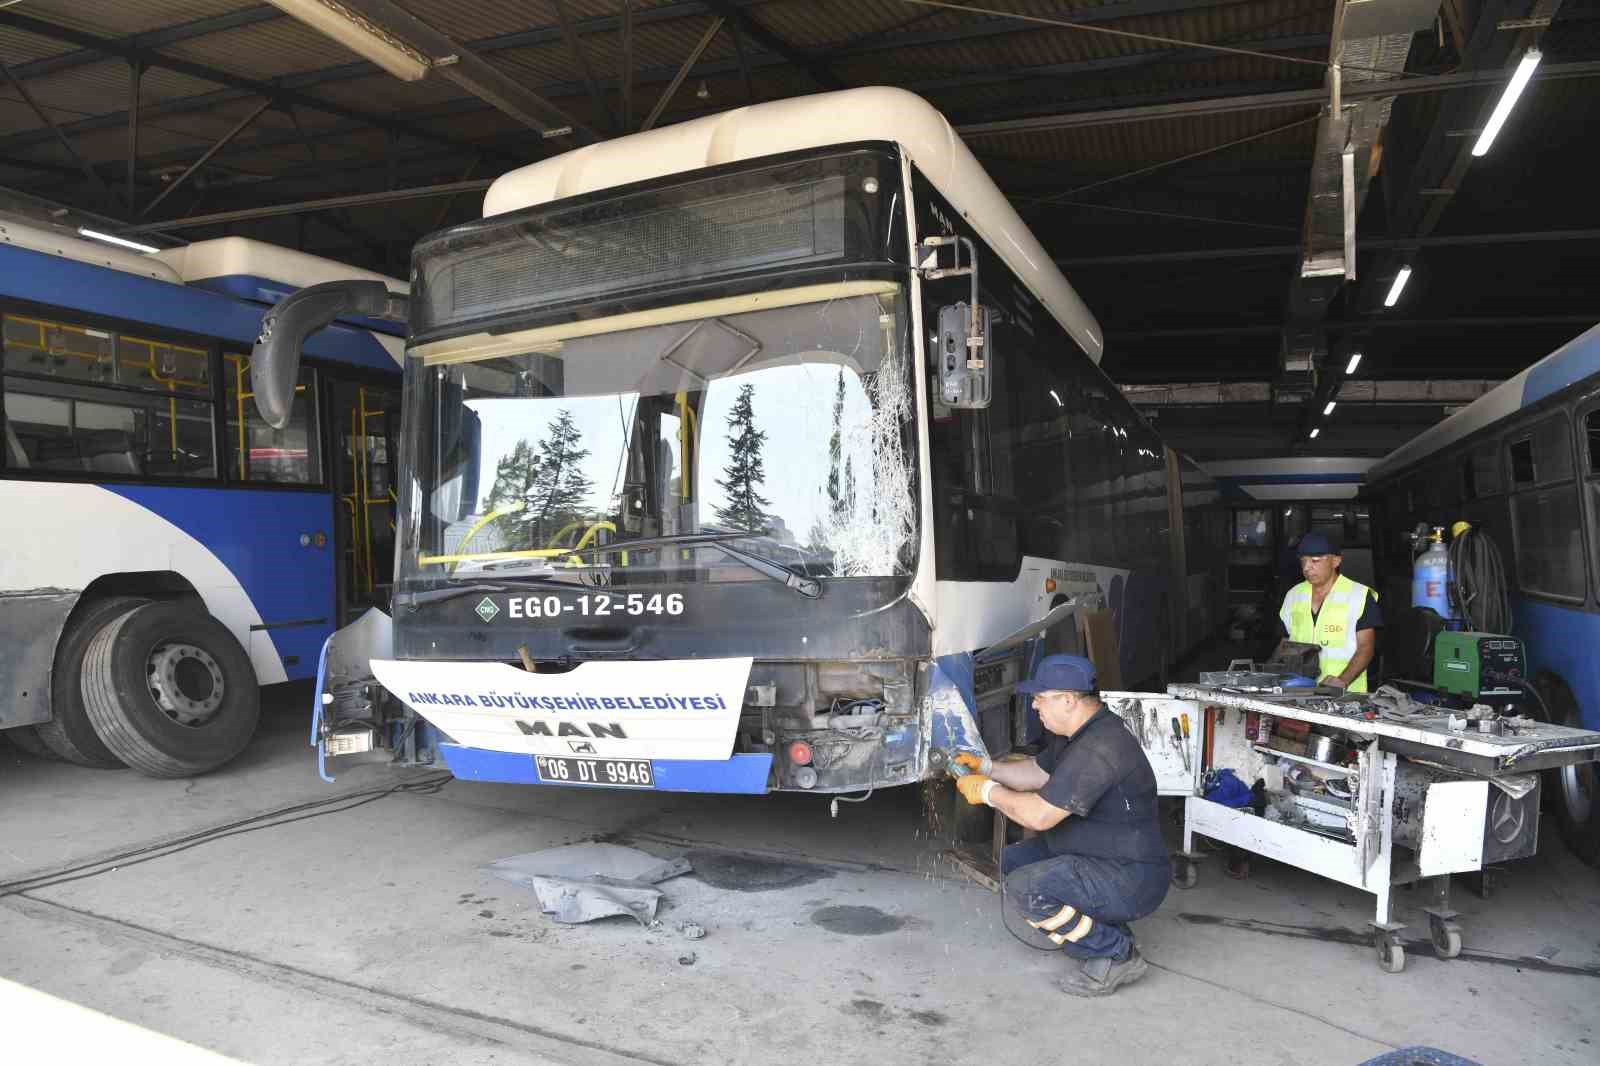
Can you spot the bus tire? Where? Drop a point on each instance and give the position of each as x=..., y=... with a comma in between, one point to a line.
x=170, y=690
x=1574, y=791
x=69, y=733
x=26, y=738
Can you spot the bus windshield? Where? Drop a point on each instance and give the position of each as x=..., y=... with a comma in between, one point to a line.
x=781, y=423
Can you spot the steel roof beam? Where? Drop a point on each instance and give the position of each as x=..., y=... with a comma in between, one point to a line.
x=184, y=31
x=820, y=71
x=1274, y=250
x=464, y=67
x=242, y=86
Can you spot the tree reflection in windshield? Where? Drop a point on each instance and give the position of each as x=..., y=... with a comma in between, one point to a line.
x=792, y=423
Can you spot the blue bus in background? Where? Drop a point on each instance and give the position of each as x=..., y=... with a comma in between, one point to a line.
x=167, y=552
x=1523, y=464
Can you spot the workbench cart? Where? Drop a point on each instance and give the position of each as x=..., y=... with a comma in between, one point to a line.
x=1418, y=801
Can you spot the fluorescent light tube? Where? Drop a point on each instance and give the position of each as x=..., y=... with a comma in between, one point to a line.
x=1400, y=280
x=1328, y=410
x=121, y=242
x=1508, y=100
x=1355, y=361
x=360, y=36
x=1314, y=432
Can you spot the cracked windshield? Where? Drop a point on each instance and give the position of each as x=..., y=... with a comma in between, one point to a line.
x=784, y=434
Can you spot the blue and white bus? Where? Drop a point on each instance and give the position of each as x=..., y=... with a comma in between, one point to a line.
x=763, y=451
x=166, y=552
x=1523, y=464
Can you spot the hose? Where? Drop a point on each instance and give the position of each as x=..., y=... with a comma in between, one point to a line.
x=1477, y=580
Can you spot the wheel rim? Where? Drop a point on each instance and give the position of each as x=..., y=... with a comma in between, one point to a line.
x=1577, y=791
x=186, y=683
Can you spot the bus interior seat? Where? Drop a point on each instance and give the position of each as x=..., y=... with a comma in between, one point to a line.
x=108, y=451
x=16, y=454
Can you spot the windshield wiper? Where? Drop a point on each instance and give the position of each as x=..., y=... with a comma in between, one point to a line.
x=809, y=587
x=417, y=600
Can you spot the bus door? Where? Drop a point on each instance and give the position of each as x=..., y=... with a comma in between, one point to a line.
x=366, y=420
x=271, y=526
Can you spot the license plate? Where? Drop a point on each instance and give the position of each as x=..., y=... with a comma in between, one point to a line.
x=613, y=773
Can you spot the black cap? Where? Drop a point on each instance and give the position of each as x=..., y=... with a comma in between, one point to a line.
x=1318, y=543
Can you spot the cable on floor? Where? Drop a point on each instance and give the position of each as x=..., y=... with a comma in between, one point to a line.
x=267, y=820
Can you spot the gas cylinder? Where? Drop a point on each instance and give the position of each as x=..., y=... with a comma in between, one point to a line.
x=1430, y=577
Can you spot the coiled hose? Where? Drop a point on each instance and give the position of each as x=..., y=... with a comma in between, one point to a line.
x=1477, y=578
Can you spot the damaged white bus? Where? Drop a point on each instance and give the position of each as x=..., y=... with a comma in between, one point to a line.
x=765, y=451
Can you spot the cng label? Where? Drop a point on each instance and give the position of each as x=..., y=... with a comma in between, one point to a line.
x=486, y=609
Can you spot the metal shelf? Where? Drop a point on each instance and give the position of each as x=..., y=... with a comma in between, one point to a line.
x=1292, y=757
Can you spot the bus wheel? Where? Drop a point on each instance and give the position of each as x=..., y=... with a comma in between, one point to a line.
x=69, y=733
x=170, y=690
x=1573, y=790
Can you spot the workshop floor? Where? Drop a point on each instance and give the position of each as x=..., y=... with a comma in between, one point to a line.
x=370, y=934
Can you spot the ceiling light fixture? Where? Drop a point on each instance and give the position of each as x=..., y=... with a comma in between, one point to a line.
x=362, y=37
x=1355, y=361
x=1314, y=432
x=1328, y=410
x=121, y=242
x=1399, y=285
x=1508, y=99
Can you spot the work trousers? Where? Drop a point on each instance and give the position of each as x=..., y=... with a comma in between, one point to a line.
x=1078, y=903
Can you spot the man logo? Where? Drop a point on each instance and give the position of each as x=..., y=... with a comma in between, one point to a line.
x=582, y=747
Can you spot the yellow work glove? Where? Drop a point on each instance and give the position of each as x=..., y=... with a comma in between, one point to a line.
x=975, y=764
x=974, y=788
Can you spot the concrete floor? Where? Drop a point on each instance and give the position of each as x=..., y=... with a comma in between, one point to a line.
x=371, y=935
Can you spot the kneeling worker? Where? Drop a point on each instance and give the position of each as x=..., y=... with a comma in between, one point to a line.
x=1099, y=861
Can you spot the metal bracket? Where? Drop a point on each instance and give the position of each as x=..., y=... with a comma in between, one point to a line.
x=928, y=253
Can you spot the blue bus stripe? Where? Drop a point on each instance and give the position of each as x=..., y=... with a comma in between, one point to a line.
x=50, y=279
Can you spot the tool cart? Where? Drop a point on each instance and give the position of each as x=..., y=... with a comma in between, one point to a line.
x=1372, y=791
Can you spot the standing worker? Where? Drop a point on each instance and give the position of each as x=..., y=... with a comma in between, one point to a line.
x=1330, y=610
x=1099, y=861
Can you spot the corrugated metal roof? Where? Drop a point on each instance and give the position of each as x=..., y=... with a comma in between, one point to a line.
x=973, y=66
x=121, y=17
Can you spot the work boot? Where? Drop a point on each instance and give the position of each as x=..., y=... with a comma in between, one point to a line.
x=1101, y=976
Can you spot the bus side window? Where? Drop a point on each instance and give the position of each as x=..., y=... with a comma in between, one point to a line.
x=1522, y=462
x=1546, y=525
x=1591, y=425
x=256, y=451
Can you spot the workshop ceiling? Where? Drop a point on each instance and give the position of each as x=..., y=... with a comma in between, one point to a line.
x=1173, y=195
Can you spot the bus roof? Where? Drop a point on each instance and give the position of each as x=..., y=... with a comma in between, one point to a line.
x=147, y=288
x=1312, y=477
x=817, y=121
x=255, y=270
x=54, y=240
x=1575, y=360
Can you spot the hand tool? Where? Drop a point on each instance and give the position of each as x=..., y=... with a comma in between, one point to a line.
x=1185, y=719
x=1177, y=741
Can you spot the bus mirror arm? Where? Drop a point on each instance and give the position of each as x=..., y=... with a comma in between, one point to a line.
x=275, y=358
x=963, y=337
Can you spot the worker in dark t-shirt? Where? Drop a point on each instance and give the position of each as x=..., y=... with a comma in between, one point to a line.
x=1099, y=861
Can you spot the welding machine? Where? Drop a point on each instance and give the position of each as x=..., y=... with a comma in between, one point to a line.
x=1478, y=664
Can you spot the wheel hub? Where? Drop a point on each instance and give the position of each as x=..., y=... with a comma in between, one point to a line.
x=186, y=683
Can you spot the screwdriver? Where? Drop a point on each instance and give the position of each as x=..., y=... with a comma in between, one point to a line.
x=1177, y=742
x=1185, y=719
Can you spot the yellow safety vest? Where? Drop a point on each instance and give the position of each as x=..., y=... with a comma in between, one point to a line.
x=1335, y=626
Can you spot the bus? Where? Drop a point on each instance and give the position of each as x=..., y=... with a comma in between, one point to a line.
x=767, y=451
x=1272, y=503
x=167, y=552
x=1522, y=464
